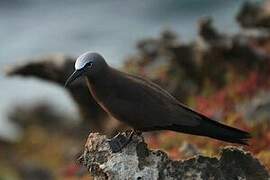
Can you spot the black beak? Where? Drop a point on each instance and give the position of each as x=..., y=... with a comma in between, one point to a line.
x=73, y=76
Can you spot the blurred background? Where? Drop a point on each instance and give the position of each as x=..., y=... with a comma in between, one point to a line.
x=212, y=55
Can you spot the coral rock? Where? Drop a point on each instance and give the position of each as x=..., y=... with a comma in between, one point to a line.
x=136, y=161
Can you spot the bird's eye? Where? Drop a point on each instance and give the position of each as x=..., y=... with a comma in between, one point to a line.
x=89, y=64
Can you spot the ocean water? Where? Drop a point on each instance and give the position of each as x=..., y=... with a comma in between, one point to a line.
x=31, y=28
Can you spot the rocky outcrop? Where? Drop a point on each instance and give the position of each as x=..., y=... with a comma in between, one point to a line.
x=136, y=161
x=254, y=15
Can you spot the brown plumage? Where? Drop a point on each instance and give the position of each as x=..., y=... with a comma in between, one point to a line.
x=144, y=105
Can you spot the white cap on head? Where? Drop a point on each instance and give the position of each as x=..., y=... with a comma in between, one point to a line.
x=82, y=60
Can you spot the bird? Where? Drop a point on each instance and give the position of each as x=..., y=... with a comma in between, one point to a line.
x=144, y=105
x=56, y=69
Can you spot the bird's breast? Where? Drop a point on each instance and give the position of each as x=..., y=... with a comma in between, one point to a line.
x=118, y=102
x=99, y=92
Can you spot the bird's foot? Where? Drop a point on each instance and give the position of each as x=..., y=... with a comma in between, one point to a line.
x=118, y=142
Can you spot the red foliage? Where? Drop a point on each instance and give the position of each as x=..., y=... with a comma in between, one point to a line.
x=225, y=99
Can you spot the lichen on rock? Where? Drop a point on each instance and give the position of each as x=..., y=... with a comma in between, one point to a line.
x=136, y=161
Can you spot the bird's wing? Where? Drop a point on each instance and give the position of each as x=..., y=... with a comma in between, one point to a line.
x=165, y=105
x=181, y=118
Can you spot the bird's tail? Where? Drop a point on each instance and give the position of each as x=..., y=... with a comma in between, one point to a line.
x=216, y=130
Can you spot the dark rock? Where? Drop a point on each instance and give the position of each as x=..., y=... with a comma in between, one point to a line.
x=254, y=15
x=208, y=32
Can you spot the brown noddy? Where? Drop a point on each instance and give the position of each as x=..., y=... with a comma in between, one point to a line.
x=144, y=105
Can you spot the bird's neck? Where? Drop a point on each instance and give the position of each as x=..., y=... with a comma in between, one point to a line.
x=98, y=78
x=100, y=86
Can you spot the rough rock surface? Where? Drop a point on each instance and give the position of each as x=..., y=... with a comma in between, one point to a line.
x=136, y=161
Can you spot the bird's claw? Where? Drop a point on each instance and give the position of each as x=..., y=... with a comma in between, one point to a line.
x=118, y=142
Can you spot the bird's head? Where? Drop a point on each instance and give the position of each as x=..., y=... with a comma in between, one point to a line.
x=89, y=64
